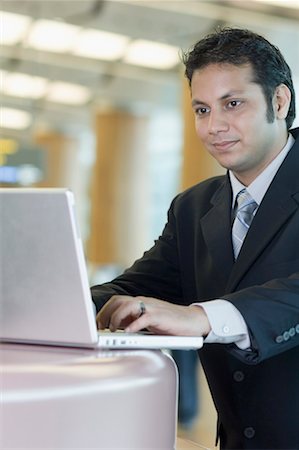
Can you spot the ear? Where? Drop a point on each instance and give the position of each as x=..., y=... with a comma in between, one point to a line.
x=281, y=101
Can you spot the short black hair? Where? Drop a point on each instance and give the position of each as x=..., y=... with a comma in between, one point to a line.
x=238, y=47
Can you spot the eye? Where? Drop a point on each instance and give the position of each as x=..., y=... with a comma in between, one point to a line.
x=201, y=111
x=233, y=104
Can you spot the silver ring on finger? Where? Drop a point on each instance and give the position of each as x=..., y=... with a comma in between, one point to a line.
x=142, y=309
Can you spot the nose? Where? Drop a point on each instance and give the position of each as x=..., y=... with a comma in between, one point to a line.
x=217, y=122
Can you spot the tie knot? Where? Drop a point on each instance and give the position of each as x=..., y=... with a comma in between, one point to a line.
x=244, y=199
x=245, y=207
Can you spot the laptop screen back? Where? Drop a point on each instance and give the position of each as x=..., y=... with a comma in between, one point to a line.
x=44, y=288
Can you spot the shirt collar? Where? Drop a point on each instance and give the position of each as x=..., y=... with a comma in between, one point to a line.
x=259, y=186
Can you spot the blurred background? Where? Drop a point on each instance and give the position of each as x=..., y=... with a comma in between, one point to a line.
x=93, y=98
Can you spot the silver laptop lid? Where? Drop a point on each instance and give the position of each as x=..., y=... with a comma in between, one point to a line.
x=44, y=289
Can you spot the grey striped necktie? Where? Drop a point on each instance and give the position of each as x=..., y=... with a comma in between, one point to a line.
x=246, y=207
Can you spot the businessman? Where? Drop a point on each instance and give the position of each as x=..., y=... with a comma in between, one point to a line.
x=227, y=263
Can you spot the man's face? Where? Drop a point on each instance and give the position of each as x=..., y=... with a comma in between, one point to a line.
x=231, y=119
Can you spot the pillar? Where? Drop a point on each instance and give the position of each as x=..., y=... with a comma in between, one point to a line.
x=119, y=191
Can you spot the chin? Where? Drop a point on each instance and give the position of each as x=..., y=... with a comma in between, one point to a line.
x=228, y=165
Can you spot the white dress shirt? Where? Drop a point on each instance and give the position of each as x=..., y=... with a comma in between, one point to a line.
x=227, y=323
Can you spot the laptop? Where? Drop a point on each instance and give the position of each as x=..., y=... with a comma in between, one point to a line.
x=44, y=288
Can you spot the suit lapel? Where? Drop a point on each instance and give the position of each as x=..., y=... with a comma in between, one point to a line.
x=216, y=226
x=279, y=203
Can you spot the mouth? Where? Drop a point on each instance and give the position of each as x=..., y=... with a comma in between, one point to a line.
x=224, y=145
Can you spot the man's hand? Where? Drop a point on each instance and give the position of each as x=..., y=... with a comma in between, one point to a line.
x=159, y=317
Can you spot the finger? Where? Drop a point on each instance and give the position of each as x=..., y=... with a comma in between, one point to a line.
x=124, y=314
x=138, y=324
x=100, y=322
x=103, y=317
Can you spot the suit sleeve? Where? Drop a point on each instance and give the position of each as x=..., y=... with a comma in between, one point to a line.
x=271, y=312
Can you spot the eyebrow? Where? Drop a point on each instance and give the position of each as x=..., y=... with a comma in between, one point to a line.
x=230, y=94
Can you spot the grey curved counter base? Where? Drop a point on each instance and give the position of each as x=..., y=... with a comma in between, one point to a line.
x=59, y=398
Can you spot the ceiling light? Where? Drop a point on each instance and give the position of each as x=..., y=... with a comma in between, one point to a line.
x=22, y=85
x=100, y=44
x=52, y=36
x=14, y=118
x=68, y=93
x=13, y=27
x=152, y=54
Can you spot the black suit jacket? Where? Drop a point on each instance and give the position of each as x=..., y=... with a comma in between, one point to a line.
x=256, y=392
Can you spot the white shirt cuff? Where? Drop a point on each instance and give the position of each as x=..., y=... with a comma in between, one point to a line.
x=227, y=323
